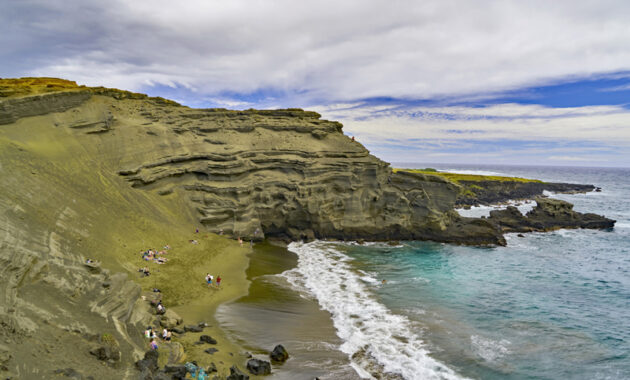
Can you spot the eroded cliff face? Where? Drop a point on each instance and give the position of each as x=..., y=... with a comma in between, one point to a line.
x=280, y=173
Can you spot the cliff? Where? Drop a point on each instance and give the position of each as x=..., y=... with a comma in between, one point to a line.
x=102, y=173
x=475, y=190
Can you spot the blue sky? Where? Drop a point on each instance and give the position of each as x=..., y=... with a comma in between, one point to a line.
x=509, y=82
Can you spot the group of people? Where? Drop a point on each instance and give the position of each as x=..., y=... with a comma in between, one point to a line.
x=155, y=255
x=149, y=333
x=210, y=278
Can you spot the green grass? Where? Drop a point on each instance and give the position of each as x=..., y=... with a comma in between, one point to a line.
x=457, y=178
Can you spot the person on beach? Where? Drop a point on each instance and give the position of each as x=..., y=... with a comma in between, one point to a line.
x=154, y=345
x=240, y=241
x=218, y=281
x=160, y=308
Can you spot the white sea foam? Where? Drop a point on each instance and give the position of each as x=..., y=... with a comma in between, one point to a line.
x=373, y=337
x=478, y=211
x=488, y=349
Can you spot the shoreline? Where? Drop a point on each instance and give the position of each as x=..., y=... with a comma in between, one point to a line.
x=275, y=313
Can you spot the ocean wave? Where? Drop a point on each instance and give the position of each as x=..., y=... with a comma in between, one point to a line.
x=380, y=344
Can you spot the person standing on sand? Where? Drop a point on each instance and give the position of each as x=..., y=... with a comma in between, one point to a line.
x=218, y=281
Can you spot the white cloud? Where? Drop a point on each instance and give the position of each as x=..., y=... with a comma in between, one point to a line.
x=607, y=124
x=508, y=133
x=340, y=50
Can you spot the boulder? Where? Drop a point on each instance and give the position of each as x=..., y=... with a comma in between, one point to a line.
x=207, y=339
x=176, y=353
x=149, y=363
x=279, y=354
x=177, y=330
x=258, y=367
x=176, y=371
x=170, y=319
x=210, y=350
x=106, y=353
x=193, y=328
x=236, y=374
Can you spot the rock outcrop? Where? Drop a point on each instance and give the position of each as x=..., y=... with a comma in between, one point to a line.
x=487, y=192
x=548, y=215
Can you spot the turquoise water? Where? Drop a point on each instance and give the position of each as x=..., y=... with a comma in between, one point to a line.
x=548, y=306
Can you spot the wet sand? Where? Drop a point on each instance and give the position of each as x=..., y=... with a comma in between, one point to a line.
x=274, y=313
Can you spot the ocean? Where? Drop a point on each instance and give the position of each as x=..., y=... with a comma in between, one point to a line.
x=550, y=305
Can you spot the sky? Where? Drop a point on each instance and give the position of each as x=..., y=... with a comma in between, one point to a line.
x=434, y=81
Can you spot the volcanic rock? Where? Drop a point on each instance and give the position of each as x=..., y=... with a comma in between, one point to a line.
x=258, y=367
x=279, y=354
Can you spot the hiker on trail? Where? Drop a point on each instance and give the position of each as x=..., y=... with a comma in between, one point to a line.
x=168, y=336
x=147, y=332
x=218, y=281
x=197, y=230
x=240, y=241
x=154, y=345
x=164, y=334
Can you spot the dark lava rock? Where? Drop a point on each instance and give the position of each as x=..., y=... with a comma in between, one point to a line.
x=211, y=350
x=176, y=371
x=279, y=354
x=69, y=372
x=193, y=328
x=258, y=367
x=548, y=215
x=149, y=363
x=106, y=353
x=520, y=235
x=237, y=374
x=207, y=339
x=177, y=330
x=211, y=368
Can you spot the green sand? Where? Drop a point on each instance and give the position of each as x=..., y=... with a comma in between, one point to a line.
x=61, y=197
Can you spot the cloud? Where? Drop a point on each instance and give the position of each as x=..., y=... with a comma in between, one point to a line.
x=313, y=51
x=507, y=133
